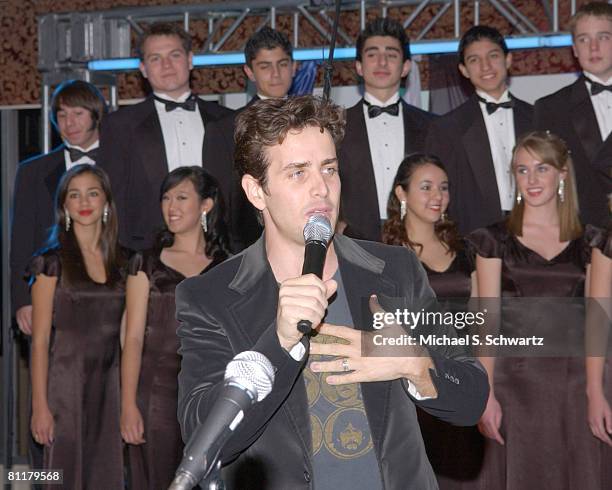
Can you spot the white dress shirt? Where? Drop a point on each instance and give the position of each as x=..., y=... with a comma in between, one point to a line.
x=386, y=140
x=70, y=163
x=183, y=133
x=602, y=104
x=500, y=131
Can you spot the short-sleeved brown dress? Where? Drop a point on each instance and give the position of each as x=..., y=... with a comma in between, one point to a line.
x=455, y=453
x=152, y=465
x=543, y=400
x=83, y=379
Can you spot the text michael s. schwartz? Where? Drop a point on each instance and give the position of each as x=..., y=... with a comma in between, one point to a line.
x=442, y=340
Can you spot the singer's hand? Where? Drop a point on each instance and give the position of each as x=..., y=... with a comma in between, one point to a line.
x=385, y=364
x=302, y=298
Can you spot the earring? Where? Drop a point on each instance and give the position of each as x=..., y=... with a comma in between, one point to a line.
x=519, y=198
x=561, y=190
x=443, y=217
x=204, y=222
x=402, y=210
x=67, y=219
x=105, y=214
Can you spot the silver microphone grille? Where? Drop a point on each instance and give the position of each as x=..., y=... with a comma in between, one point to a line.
x=253, y=371
x=318, y=228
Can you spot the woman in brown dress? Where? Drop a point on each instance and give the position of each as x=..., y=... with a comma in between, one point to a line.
x=417, y=219
x=78, y=300
x=193, y=242
x=535, y=420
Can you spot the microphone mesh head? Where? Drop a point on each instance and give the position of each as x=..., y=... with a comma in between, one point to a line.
x=317, y=229
x=253, y=371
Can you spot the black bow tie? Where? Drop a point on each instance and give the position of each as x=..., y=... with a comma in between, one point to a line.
x=76, y=154
x=188, y=105
x=493, y=106
x=376, y=110
x=597, y=88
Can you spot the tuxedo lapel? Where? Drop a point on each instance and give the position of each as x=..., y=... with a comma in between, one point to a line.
x=584, y=120
x=414, y=132
x=523, y=118
x=476, y=144
x=56, y=171
x=150, y=139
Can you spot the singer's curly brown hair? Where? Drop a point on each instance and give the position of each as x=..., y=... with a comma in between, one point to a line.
x=394, y=230
x=265, y=123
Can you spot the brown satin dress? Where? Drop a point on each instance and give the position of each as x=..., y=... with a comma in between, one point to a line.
x=152, y=465
x=548, y=441
x=83, y=380
x=455, y=453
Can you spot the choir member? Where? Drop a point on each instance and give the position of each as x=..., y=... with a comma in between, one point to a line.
x=143, y=142
x=581, y=113
x=475, y=140
x=77, y=108
x=270, y=66
x=78, y=295
x=380, y=129
x=535, y=420
x=193, y=242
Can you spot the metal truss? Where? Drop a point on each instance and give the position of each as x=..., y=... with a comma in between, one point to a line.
x=69, y=42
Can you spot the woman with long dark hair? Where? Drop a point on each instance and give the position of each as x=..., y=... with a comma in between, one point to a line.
x=535, y=419
x=417, y=219
x=78, y=300
x=194, y=241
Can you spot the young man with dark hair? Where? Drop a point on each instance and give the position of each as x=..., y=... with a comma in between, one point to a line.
x=380, y=129
x=581, y=113
x=77, y=108
x=270, y=66
x=475, y=140
x=143, y=142
x=286, y=157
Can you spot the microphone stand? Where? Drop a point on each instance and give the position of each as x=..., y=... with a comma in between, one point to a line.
x=328, y=66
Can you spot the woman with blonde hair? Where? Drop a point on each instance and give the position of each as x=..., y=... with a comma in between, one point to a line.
x=535, y=417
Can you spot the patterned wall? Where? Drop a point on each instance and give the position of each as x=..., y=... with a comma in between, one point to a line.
x=20, y=80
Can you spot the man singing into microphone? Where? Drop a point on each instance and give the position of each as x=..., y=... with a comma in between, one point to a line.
x=353, y=429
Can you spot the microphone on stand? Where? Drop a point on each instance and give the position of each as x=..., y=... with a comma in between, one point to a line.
x=249, y=377
x=317, y=234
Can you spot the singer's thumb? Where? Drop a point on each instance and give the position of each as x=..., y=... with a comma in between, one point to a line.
x=331, y=286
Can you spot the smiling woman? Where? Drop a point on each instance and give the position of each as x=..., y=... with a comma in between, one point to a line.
x=77, y=298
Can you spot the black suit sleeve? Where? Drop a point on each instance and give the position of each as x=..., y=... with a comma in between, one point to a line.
x=23, y=233
x=206, y=351
x=460, y=380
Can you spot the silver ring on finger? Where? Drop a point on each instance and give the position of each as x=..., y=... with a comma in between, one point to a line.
x=345, y=365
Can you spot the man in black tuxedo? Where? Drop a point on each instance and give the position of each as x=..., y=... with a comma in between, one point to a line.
x=286, y=155
x=380, y=129
x=270, y=66
x=143, y=142
x=581, y=113
x=77, y=108
x=475, y=140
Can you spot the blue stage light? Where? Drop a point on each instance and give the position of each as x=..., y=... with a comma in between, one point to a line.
x=418, y=47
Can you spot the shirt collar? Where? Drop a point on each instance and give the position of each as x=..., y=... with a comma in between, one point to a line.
x=505, y=97
x=374, y=101
x=596, y=79
x=180, y=98
x=93, y=146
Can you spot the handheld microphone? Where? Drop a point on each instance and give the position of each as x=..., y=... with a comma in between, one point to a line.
x=249, y=377
x=317, y=234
